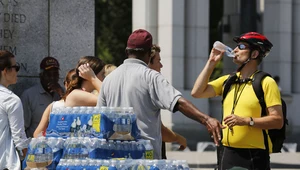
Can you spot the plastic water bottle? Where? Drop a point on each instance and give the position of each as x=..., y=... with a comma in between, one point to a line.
x=111, y=149
x=82, y=110
x=126, y=122
x=119, y=150
x=71, y=150
x=137, y=150
x=139, y=165
x=84, y=147
x=113, y=164
x=185, y=165
x=62, y=164
x=67, y=110
x=126, y=149
x=149, y=151
x=121, y=165
x=42, y=151
x=222, y=47
x=105, y=164
x=153, y=165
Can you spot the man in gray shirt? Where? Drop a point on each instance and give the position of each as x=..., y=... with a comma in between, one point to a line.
x=38, y=97
x=147, y=91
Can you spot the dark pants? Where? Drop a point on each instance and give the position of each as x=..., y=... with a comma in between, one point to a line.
x=163, y=151
x=252, y=159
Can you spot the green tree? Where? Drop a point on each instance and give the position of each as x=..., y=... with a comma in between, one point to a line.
x=215, y=28
x=113, y=26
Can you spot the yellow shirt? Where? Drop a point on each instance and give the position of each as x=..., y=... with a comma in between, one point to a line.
x=247, y=105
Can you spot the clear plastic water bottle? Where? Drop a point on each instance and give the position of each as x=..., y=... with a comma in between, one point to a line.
x=139, y=165
x=121, y=165
x=67, y=110
x=82, y=110
x=126, y=149
x=103, y=149
x=105, y=164
x=119, y=150
x=111, y=113
x=111, y=149
x=112, y=165
x=55, y=111
x=42, y=151
x=126, y=123
x=141, y=150
x=137, y=150
x=222, y=47
x=84, y=147
x=185, y=165
x=84, y=164
x=149, y=151
x=71, y=150
x=167, y=164
x=93, y=164
x=62, y=164
x=153, y=165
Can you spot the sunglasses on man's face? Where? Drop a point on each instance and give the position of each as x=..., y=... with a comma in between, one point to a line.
x=16, y=67
x=242, y=46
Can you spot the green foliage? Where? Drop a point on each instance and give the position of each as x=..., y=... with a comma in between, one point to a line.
x=215, y=31
x=113, y=26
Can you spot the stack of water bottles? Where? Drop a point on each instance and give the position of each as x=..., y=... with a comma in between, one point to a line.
x=94, y=138
x=126, y=164
x=100, y=122
x=44, y=152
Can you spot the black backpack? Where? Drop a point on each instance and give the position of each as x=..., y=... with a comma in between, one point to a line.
x=277, y=136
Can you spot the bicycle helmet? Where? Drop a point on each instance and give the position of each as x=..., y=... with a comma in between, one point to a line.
x=255, y=39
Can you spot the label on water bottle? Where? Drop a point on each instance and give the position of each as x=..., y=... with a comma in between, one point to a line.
x=96, y=122
x=30, y=158
x=149, y=154
x=103, y=167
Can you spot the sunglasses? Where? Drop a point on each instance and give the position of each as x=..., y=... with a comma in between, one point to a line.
x=242, y=46
x=16, y=67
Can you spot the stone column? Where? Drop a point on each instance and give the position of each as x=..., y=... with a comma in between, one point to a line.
x=72, y=31
x=144, y=15
x=277, y=26
x=34, y=29
x=295, y=47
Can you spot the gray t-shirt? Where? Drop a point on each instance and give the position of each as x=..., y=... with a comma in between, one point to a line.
x=35, y=100
x=147, y=91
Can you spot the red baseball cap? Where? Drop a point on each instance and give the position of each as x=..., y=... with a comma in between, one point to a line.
x=140, y=39
x=48, y=63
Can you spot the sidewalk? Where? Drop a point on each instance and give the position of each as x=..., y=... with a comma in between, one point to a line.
x=207, y=160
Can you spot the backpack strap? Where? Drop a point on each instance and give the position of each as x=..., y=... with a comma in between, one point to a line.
x=257, y=87
x=227, y=84
x=259, y=92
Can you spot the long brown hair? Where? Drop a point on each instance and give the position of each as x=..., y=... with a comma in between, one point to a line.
x=96, y=65
x=70, y=75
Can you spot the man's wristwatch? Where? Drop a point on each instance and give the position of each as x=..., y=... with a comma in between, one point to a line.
x=251, y=123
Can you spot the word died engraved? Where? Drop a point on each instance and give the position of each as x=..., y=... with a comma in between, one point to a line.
x=14, y=18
